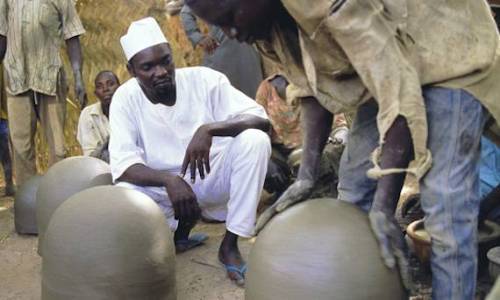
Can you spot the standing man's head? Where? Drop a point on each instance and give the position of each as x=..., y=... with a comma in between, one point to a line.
x=106, y=83
x=150, y=60
x=245, y=20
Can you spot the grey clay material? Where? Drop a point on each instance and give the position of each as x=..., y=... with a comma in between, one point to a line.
x=25, y=206
x=108, y=243
x=320, y=249
x=63, y=180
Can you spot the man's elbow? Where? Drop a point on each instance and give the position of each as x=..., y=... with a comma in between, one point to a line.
x=125, y=177
x=131, y=174
x=263, y=124
x=266, y=125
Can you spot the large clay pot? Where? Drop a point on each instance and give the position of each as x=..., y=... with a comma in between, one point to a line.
x=320, y=249
x=25, y=206
x=63, y=180
x=108, y=243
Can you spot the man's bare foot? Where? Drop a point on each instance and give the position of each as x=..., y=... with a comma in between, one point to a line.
x=230, y=257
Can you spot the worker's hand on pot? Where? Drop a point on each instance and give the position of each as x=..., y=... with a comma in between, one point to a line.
x=297, y=192
x=391, y=242
x=183, y=199
x=197, y=155
x=209, y=44
x=80, y=92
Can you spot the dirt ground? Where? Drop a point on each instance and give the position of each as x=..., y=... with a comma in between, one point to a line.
x=198, y=271
x=199, y=274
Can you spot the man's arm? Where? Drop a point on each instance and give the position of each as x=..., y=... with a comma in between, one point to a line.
x=316, y=124
x=190, y=26
x=74, y=51
x=188, y=19
x=235, y=126
x=3, y=47
x=197, y=153
x=141, y=175
x=391, y=77
x=180, y=194
x=397, y=152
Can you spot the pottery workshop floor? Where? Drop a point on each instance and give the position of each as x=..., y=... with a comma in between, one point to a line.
x=199, y=274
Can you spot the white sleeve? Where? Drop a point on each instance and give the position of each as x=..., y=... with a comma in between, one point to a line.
x=228, y=102
x=124, y=149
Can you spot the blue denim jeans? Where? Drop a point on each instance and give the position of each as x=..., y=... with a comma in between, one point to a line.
x=449, y=191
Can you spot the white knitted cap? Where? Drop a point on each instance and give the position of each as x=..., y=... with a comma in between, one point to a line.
x=141, y=34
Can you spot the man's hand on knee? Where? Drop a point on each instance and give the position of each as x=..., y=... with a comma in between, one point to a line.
x=299, y=191
x=198, y=154
x=183, y=199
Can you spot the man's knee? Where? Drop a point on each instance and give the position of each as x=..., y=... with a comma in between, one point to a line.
x=254, y=140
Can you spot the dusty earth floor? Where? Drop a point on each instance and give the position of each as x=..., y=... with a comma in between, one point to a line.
x=199, y=274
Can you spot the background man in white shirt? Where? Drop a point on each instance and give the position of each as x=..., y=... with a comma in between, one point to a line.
x=166, y=122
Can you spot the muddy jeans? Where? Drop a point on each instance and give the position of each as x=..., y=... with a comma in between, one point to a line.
x=449, y=191
x=23, y=114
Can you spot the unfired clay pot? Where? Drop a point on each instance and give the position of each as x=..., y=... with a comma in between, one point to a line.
x=25, y=206
x=320, y=249
x=63, y=180
x=108, y=243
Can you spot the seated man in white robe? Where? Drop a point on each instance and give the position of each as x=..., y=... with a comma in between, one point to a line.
x=169, y=124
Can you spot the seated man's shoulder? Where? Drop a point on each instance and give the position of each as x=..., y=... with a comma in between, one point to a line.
x=201, y=73
x=128, y=89
x=202, y=78
x=86, y=120
x=88, y=110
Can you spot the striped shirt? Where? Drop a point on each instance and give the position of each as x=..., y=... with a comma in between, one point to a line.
x=35, y=30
